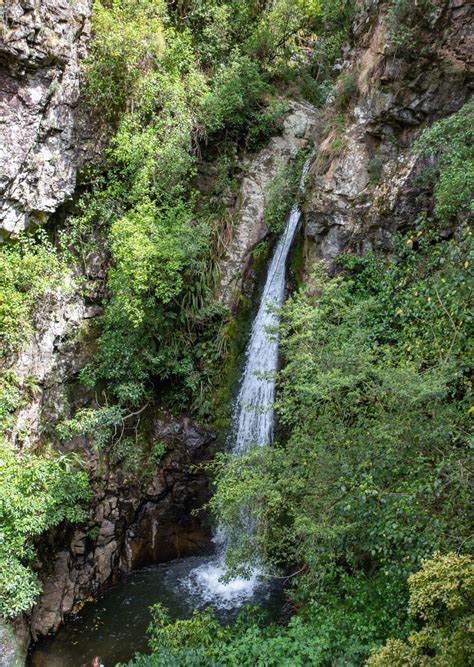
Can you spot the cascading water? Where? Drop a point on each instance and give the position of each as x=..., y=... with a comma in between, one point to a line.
x=115, y=626
x=254, y=417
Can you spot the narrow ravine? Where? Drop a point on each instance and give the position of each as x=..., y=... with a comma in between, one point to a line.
x=115, y=626
x=254, y=415
x=169, y=419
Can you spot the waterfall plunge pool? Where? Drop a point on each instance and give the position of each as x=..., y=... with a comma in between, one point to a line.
x=114, y=626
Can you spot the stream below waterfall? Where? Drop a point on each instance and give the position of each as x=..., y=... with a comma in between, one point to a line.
x=115, y=625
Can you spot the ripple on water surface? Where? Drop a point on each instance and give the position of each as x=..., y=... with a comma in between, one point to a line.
x=114, y=626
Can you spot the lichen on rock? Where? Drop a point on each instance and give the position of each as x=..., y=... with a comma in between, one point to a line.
x=42, y=43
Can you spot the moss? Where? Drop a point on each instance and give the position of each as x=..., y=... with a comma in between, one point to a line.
x=237, y=332
x=375, y=169
x=296, y=264
x=346, y=90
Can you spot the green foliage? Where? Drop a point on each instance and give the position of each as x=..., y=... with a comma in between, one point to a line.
x=451, y=143
x=238, y=87
x=279, y=197
x=276, y=36
x=335, y=632
x=163, y=272
x=11, y=397
x=404, y=19
x=203, y=640
x=346, y=90
x=264, y=124
x=101, y=424
x=375, y=168
x=29, y=268
x=216, y=26
x=36, y=493
x=127, y=41
x=442, y=595
x=150, y=251
x=151, y=152
x=333, y=31
x=112, y=430
x=158, y=450
x=423, y=308
x=14, y=394
x=373, y=411
x=280, y=193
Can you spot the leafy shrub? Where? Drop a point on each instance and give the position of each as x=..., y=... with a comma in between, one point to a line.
x=264, y=124
x=127, y=41
x=280, y=193
x=36, y=493
x=346, y=89
x=158, y=450
x=217, y=27
x=150, y=154
x=375, y=168
x=100, y=424
x=442, y=595
x=11, y=397
x=29, y=268
x=238, y=88
x=332, y=32
x=404, y=19
x=150, y=250
x=450, y=142
x=279, y=197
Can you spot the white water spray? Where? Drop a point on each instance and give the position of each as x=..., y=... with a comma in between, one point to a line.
x=254, y=416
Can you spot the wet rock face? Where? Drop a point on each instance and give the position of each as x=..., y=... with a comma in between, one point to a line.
x=135, y=519
x=131, y=526
x=364, y=182
x=41, y=45
x=248, y=212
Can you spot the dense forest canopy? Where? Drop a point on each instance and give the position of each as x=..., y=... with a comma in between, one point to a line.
x=364, y=500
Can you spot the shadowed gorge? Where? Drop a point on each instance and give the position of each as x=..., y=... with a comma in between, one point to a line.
x=236, y=332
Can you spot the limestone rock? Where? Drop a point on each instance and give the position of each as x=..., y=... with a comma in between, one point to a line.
x=41, y=45
x=249, y=227
x=363, y=185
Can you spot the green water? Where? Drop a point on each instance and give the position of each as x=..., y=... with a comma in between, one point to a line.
x=115, y=625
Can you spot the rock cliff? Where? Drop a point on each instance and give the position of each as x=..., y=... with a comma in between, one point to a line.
x=363, y=183
x=248, y=213
x=131, y=525
x=362, y=189
x=41, y=45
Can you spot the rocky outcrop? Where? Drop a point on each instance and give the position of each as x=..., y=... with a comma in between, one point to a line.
x=131, y=525
x=11, y=654
x=41, y=45
x=248, y=215
x=363, y=184
x=56, y=351
x=135, y=519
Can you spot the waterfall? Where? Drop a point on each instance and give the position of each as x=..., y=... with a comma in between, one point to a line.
x=253, y=416
x=254, y=410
